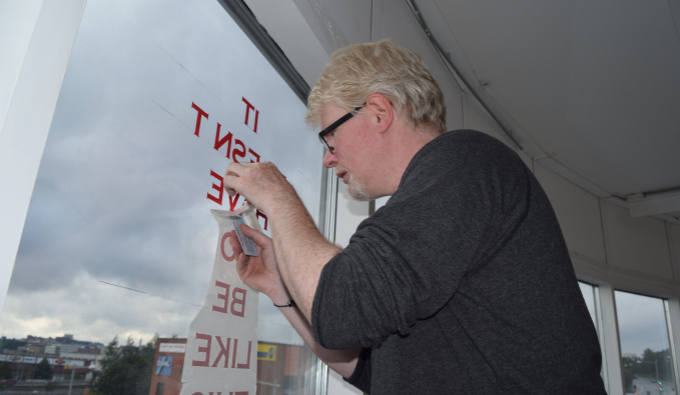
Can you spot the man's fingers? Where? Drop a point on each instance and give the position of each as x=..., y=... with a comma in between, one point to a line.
x=233, y=172
x=233, y=241
x=258, y=237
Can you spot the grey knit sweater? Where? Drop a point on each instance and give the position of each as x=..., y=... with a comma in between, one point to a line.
x=461, y=283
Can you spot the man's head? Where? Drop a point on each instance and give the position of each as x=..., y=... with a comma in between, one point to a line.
x=357, y=71
x=378, y=105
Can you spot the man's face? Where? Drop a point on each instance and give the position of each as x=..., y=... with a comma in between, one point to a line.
x=350, y=149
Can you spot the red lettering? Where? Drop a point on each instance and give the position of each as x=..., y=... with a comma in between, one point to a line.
x=201, y=114
x=225, y=297
x=259, y=214
x=237, y=301
x=239, y=153
x=223, y=351
x=248, y=108
x=236, y=150
x=232, y=201
x=255, y=155
x=205, y=350
x=233, y=355
x=257, y=115
x=220, y=141
x=247, y=364
x=223, y=242
x=218, y=187
x=225, y=346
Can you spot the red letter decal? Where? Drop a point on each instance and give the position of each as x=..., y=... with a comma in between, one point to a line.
x=218, y=187
x=222, y=243
x=232, y=202
x=238, y=297
x=248, y=108
x=205, y=350
x=220, y=141
x=247, y=364
x=255, y=154
x=224, y=350
x=239, y=152
x=259, y=214
x=225, y=297
x=201, y=113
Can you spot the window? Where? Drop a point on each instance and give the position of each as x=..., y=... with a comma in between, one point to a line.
x=588, y=292
x=646, y=358
x=119, y=242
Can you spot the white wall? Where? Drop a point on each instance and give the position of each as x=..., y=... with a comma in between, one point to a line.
x=17, y=20
x=35, y=41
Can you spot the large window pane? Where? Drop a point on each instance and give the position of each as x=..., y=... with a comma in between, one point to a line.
x=646, y=357
x=119, y=242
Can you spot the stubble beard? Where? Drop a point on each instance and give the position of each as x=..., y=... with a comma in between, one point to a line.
x=358, y=190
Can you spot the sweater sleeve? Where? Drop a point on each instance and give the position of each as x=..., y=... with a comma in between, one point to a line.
x=361, y=377
x=462, y=191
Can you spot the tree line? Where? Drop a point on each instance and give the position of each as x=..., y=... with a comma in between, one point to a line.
x=648, y=366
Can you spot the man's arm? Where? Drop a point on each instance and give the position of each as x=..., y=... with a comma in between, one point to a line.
x=301, y=250
x=260, y=273
x=342, y=361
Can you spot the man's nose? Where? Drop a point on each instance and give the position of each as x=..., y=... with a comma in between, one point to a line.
x=329, y=160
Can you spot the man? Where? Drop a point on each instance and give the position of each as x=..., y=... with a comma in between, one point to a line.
x=461, y=283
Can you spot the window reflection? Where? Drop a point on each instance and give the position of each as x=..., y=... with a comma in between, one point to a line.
x=646, y=358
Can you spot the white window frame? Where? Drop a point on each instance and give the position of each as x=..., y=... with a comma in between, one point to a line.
x=26, y=121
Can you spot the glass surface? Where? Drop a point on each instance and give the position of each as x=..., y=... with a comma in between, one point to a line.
x=119, y=243
x=588, y=292
x=646, y=358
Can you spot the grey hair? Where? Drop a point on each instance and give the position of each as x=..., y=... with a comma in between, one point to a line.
x=357, y=71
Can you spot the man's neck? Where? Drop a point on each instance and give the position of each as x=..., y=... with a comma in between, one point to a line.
x=400, y=148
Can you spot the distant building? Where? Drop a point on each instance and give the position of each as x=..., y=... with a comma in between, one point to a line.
x=280, y=368
x=166, y=378
x=65, y=354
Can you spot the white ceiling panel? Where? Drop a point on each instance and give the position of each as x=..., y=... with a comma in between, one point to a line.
x=596, y=85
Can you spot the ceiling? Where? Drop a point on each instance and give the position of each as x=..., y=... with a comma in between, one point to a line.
x=589, y=88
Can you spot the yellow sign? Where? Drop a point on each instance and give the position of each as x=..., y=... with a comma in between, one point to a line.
x=266, y=352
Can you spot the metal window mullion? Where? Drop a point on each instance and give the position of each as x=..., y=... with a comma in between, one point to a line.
x=673, y=314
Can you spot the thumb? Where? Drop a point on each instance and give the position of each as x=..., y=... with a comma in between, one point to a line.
x=258, y=237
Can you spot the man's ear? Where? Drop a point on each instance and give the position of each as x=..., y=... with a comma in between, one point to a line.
x=381, y=111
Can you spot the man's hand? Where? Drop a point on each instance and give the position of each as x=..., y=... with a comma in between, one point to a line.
x=260, y=272
x=301, y=251
x=262, y=184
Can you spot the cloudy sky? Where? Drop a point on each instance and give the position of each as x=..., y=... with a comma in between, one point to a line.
x=642, y=323
x=119, y=239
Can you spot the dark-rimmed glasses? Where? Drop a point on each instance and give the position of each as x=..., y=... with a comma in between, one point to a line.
x=331, y=128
